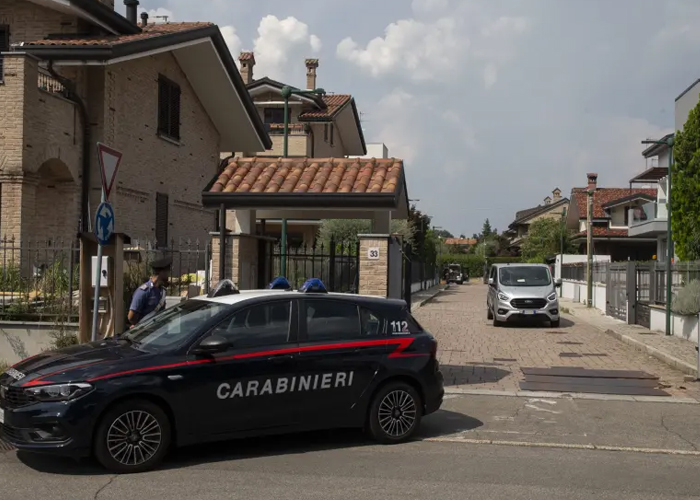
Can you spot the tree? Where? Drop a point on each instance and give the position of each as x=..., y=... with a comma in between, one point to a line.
x=544, y=240
x=685, y=201
x=443, y=233
x=347, y=230
x=486, y=231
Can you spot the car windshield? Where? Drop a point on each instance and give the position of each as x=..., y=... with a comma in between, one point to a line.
x=173, y=325
x=524, y=276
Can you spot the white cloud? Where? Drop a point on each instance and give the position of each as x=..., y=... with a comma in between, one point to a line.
x=232, y=40
x=159, y=15
x=423, y=50
x=281, y=45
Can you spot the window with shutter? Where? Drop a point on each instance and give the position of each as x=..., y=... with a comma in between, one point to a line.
x=4, y=46
x=168, y=108
x=161, y=220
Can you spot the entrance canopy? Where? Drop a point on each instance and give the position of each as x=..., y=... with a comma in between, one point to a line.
x=311, y=188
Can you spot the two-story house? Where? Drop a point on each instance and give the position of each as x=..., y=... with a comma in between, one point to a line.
x=611, y=209
x=167, y=95
x=554, y=207
x=319, y=126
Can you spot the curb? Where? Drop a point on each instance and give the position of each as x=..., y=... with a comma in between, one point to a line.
x=665, y=358
x=428, y=299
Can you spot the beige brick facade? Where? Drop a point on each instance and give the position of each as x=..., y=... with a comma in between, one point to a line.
x=374, y=274
x=41, y=140
x=241, y=260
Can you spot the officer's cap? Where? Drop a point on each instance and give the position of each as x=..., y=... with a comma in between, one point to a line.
x=162, y=264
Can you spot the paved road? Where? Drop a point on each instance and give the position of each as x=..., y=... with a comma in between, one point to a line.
x=445, y=463
x=476, y=355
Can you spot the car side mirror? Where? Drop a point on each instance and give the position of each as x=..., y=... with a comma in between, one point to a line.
x=491, y=281
x=557, y=282
x=212, y=345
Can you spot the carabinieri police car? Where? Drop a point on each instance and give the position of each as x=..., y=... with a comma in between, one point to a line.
x=231, y=364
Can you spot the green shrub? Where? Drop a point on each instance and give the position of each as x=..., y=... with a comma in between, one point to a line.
x=61, y=339
x=687, y=301
x=4, y=365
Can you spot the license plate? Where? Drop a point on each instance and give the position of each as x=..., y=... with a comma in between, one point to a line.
x=2, y=416
x=525, y=313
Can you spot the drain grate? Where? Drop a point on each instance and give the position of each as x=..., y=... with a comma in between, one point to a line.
x=569, y=342
x=569, y=355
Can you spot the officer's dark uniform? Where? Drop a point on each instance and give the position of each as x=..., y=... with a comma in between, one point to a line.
x=148, y=299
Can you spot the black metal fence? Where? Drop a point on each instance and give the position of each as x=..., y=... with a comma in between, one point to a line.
x=190, y=268
x=336, y=264
x=421, y=271
x=39, y=280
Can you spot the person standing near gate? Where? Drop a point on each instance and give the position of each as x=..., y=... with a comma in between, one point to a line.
x=149, y=298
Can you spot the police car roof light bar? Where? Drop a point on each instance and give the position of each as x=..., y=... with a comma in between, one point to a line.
x=279, y=283
x=225, y=287
x=313, y=285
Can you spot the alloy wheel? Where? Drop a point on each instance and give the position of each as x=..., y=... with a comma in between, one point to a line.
x=134, y=438
x=397, y=413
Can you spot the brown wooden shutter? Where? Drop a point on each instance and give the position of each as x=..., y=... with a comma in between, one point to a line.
x=161, y=220
x=175, y=111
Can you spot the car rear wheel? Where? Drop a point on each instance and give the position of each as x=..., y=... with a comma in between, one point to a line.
x=133, y=436
x=395, y=413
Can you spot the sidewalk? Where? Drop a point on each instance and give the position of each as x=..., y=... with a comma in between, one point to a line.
x=674, y=351
x=419, y=299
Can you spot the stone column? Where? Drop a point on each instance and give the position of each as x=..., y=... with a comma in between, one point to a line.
x=374, y=264
x=241, y=255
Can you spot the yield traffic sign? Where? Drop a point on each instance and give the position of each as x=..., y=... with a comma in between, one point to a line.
x=109, y=159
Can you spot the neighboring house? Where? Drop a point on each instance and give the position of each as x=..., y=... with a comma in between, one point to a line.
x=554, y=207
x=686, y=101
x=650, y=220
x=169, y=96
x=612, y=208
x=460, y=245
x=318, y=127
x=374, y=150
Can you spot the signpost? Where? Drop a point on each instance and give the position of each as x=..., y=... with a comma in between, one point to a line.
x=109, y=160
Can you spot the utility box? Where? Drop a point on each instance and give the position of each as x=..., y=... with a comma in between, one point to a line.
x=104, y=274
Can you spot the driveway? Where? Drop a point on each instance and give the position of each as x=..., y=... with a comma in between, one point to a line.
x=476, y=355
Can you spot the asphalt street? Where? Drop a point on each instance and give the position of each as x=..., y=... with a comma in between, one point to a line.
x=477, y=446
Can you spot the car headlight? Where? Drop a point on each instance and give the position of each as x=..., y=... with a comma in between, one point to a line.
x=552, y=297
x=58, y=392
x=503, y=297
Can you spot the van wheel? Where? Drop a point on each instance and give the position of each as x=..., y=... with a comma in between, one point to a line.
x=489, y=314
x=395, y=413
x=133, y=436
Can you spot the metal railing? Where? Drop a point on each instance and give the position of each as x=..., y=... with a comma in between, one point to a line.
x=577, y=271
x=49, y=84
x=278, y=128
x=39, y=280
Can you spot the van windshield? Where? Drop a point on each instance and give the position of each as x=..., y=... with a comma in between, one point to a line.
x=524, y=276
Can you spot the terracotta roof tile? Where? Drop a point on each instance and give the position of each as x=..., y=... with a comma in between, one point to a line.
x=460, y=241
x=606, y=232
x=602, y=196
x=149, y=31
x=333, y=102
x=309, y=175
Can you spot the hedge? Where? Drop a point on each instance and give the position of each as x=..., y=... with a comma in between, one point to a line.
x=473, y=264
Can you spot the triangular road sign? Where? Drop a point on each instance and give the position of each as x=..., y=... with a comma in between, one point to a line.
x=109, y=164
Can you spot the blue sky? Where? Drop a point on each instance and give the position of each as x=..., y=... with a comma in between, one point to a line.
x=491, y=104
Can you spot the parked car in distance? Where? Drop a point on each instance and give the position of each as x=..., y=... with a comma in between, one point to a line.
x=455, y=274
x=522, y=292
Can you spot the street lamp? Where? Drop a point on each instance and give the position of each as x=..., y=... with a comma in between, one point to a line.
x=669, y=241
x=286, y=93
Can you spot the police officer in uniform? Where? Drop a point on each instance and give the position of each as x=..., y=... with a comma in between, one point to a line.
x=149, y=298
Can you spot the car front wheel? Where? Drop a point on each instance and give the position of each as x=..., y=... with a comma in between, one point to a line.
x=133, y=436
x=395, y=413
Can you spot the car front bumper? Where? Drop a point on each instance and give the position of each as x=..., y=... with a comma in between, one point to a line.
x=56, y=428
x=505, y=312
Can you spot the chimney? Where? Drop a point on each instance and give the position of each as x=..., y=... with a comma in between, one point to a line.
x=247, y=60
x=547, y=201
x=592, y=182
x=144, y=18
x=556, y=194
x=311, y=65
x=131, y=8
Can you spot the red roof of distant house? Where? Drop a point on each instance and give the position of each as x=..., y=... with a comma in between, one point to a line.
x=603, y=196
x=605, y=232
x=460, y=241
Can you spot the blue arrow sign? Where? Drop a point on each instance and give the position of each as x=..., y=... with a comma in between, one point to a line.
x=104, y=223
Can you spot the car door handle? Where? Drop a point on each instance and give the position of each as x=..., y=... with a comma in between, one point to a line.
x=281, y=358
